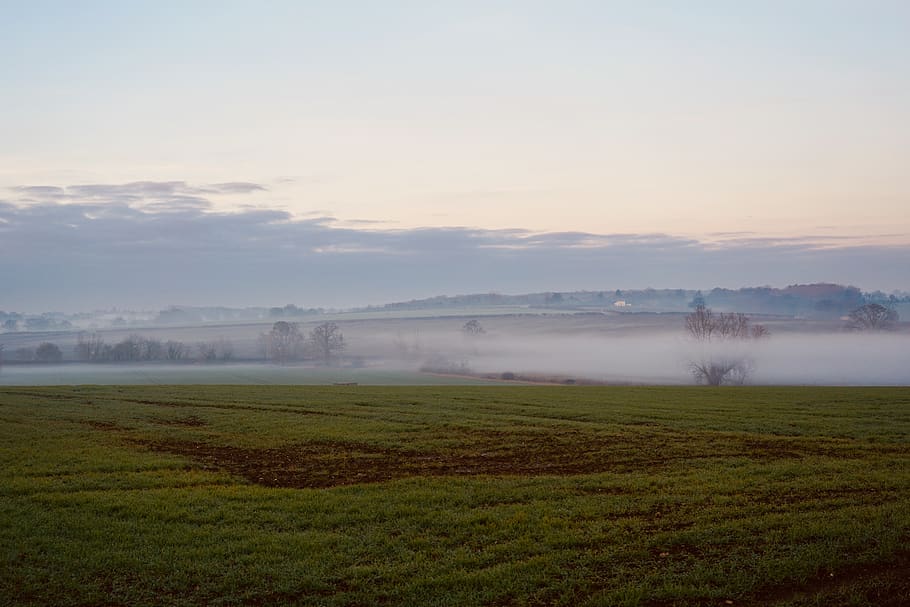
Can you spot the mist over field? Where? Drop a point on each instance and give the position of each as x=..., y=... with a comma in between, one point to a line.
x=617, y=349
x=665, y=358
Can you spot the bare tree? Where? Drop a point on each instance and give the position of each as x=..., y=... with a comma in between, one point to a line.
x=208, y=351
x=225, y=348
x=704, y=325
x=283, y=342
x=700, y=324
x=327, y=341
x=473, y=327
x=721, y=370
x=873, y=317
x=91, y=348
x=128, y=350
x=175, y=350
x=718, y=361
x=152, y=349
x=218, y=349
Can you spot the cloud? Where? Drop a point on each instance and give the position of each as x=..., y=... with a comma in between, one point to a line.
x=150, y=244
x=238, y=187
x=154, y=193
x=41, y=192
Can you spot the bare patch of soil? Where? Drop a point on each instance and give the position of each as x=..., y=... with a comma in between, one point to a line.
x=885, y=584
x=102, y=425
x=190, y=421
x=475, y=452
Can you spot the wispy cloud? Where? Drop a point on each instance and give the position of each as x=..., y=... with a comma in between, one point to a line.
x=154, y=243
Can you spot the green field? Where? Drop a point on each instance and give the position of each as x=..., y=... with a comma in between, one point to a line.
x=234, y=374
x=459, y=495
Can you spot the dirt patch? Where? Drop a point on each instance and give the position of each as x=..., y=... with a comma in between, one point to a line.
x=102, y=425
x=190, y=421
x=886, y=583
x=471, y=453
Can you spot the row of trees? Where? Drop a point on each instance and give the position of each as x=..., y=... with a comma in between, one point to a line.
x=136, y=348
x=46, y=352
x=285, y=342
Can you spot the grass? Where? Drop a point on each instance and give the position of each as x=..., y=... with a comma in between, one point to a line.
x=234, y=373
x=427, y=495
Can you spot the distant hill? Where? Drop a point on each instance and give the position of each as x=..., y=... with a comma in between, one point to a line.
x=818, y=301
x=823, y=301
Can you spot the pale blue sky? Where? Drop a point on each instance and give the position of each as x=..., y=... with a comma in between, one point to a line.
x=697, y=120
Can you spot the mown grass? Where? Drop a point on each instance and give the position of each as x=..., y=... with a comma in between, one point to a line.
x=355, y=495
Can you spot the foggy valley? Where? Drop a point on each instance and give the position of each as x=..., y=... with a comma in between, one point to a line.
x=426, y=346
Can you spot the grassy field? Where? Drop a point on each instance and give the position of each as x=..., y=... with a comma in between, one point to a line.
x=234, y=374
x=426, y=495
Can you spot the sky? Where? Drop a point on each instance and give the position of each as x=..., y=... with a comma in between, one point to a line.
x=344, y=153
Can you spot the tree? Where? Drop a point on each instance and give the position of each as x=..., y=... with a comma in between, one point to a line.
x=208, y=351
x=91, y=348
x=127, y=350
x=283, y=342
x=225, y=349
x=48, y=353
x=873, y=317
x=152, y=349
x=473, y=327
x=175, y=350
x=724, y=370
x=698, y=301
x=327, y=341
x=719, y=360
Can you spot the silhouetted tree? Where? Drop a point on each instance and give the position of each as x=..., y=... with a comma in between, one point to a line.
x=283, y=343
x=473, y=327
x=127, y=350
x=715, y=370
x=152, y=349
x=175, y=350
x=208, y=351
x=91, y=348
x=717, y=364
x=873, y=317
x=225, y=349
x=698, y=301
x=327, y=341
x=48, y=353
x=211, y=351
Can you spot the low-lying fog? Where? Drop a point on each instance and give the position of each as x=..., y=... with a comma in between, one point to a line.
x=666, y=358
x=787, y=359
x=646, y=350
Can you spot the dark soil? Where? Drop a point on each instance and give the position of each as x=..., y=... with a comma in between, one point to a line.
x=475, y=452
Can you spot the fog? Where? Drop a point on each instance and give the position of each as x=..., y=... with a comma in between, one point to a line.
x=623, y=349
x=666, y=358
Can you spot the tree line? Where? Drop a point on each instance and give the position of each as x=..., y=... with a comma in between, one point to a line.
x=285, y=342
x=137, y=348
